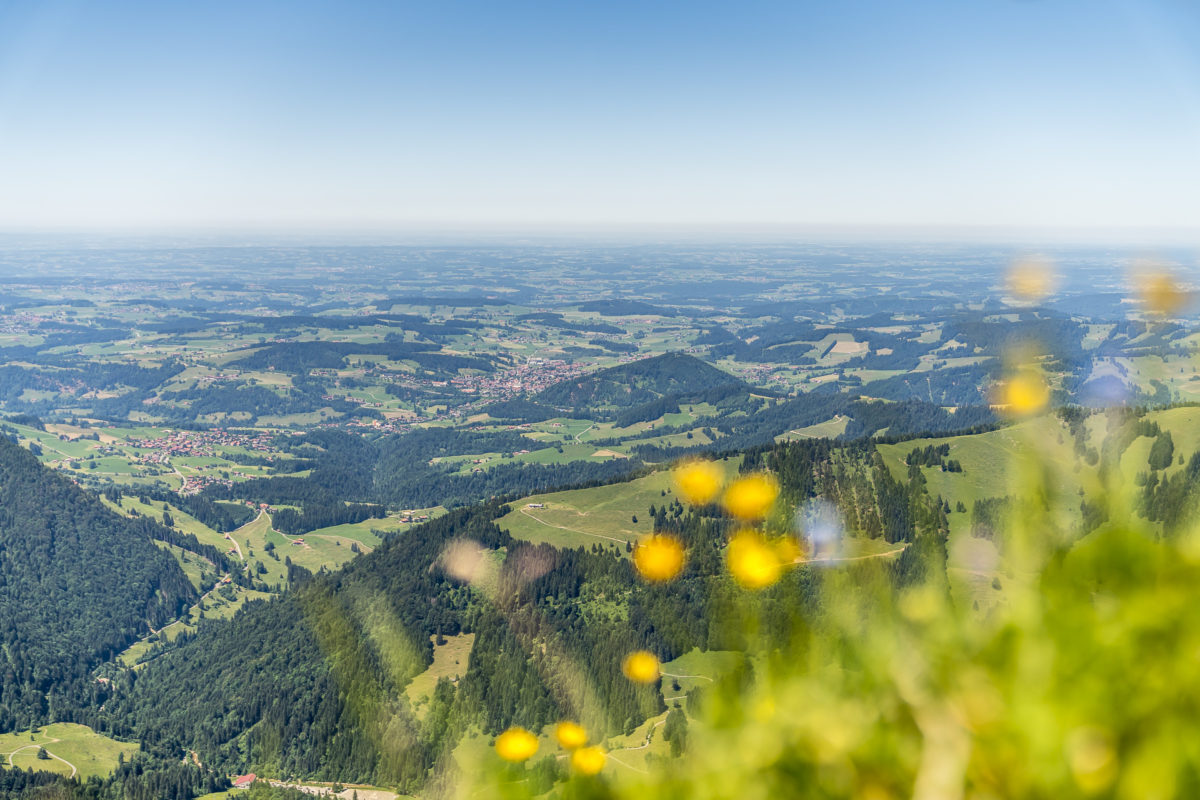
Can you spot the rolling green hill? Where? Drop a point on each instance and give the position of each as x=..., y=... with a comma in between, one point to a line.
x=670, y=378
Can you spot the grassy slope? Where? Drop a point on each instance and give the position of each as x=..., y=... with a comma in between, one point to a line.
x=449, y=661
x=602, y=514
x=91, y=753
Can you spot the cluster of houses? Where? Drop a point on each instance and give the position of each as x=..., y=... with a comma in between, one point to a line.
x=200, y=443
x=194, y=484
x=220, y=377
x=362, y=401
x=532, y=376
x=21, y=322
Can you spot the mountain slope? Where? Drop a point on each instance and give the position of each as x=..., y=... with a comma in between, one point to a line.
x=312, y=684
x=78, y=584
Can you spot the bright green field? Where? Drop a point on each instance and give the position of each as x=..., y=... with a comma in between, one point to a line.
x=583, y=517
x=78, y=748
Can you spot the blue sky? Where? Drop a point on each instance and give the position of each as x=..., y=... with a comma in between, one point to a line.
x=364, y=116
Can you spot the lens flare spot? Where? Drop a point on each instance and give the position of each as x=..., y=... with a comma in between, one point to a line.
x=641, y=667
x=659, y=558
x=822, y=526
x=699, y=482
x=464, y=559
x=570, y=735
x=752, y=561
x=752, y=496
x=589, y=760
x=516, y=745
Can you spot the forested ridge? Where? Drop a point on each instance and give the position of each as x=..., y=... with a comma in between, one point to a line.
x=78, y=584
x=677, y=376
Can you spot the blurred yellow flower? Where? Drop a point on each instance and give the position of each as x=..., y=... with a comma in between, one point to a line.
x=1160, y=292
x=570, y=735
x=751, y=497
x=752, y=561
x=1026, y=392
x=589, y=760
x=1031, y=279
x=658, y=558
x=699, y=482
x=641, y=667
x=516, y=744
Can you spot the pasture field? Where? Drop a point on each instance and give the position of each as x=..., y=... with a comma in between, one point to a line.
x=829, y=429
x=598, y=515
x=583, y=517
x=74, y=749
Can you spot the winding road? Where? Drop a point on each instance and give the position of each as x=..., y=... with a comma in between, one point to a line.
x=74, y=770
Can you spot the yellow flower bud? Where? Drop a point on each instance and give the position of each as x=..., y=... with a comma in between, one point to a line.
x=589, y=760
x=1026, y=393
x=570, y=735
x=516, y=745
x=752, y=496
x=752, y=561
x=658, y=558
x=699, y=482
x=641, y=667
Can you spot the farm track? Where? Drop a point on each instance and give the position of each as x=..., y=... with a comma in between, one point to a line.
x=74, y=769
x=233, y=535
x=571, y=530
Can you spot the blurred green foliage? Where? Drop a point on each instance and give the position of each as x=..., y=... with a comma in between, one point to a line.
x=1081, y=682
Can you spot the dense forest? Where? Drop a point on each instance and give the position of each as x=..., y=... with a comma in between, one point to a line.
x=78, y=584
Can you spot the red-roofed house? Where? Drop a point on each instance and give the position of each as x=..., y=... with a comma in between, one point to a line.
x=242, y=781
